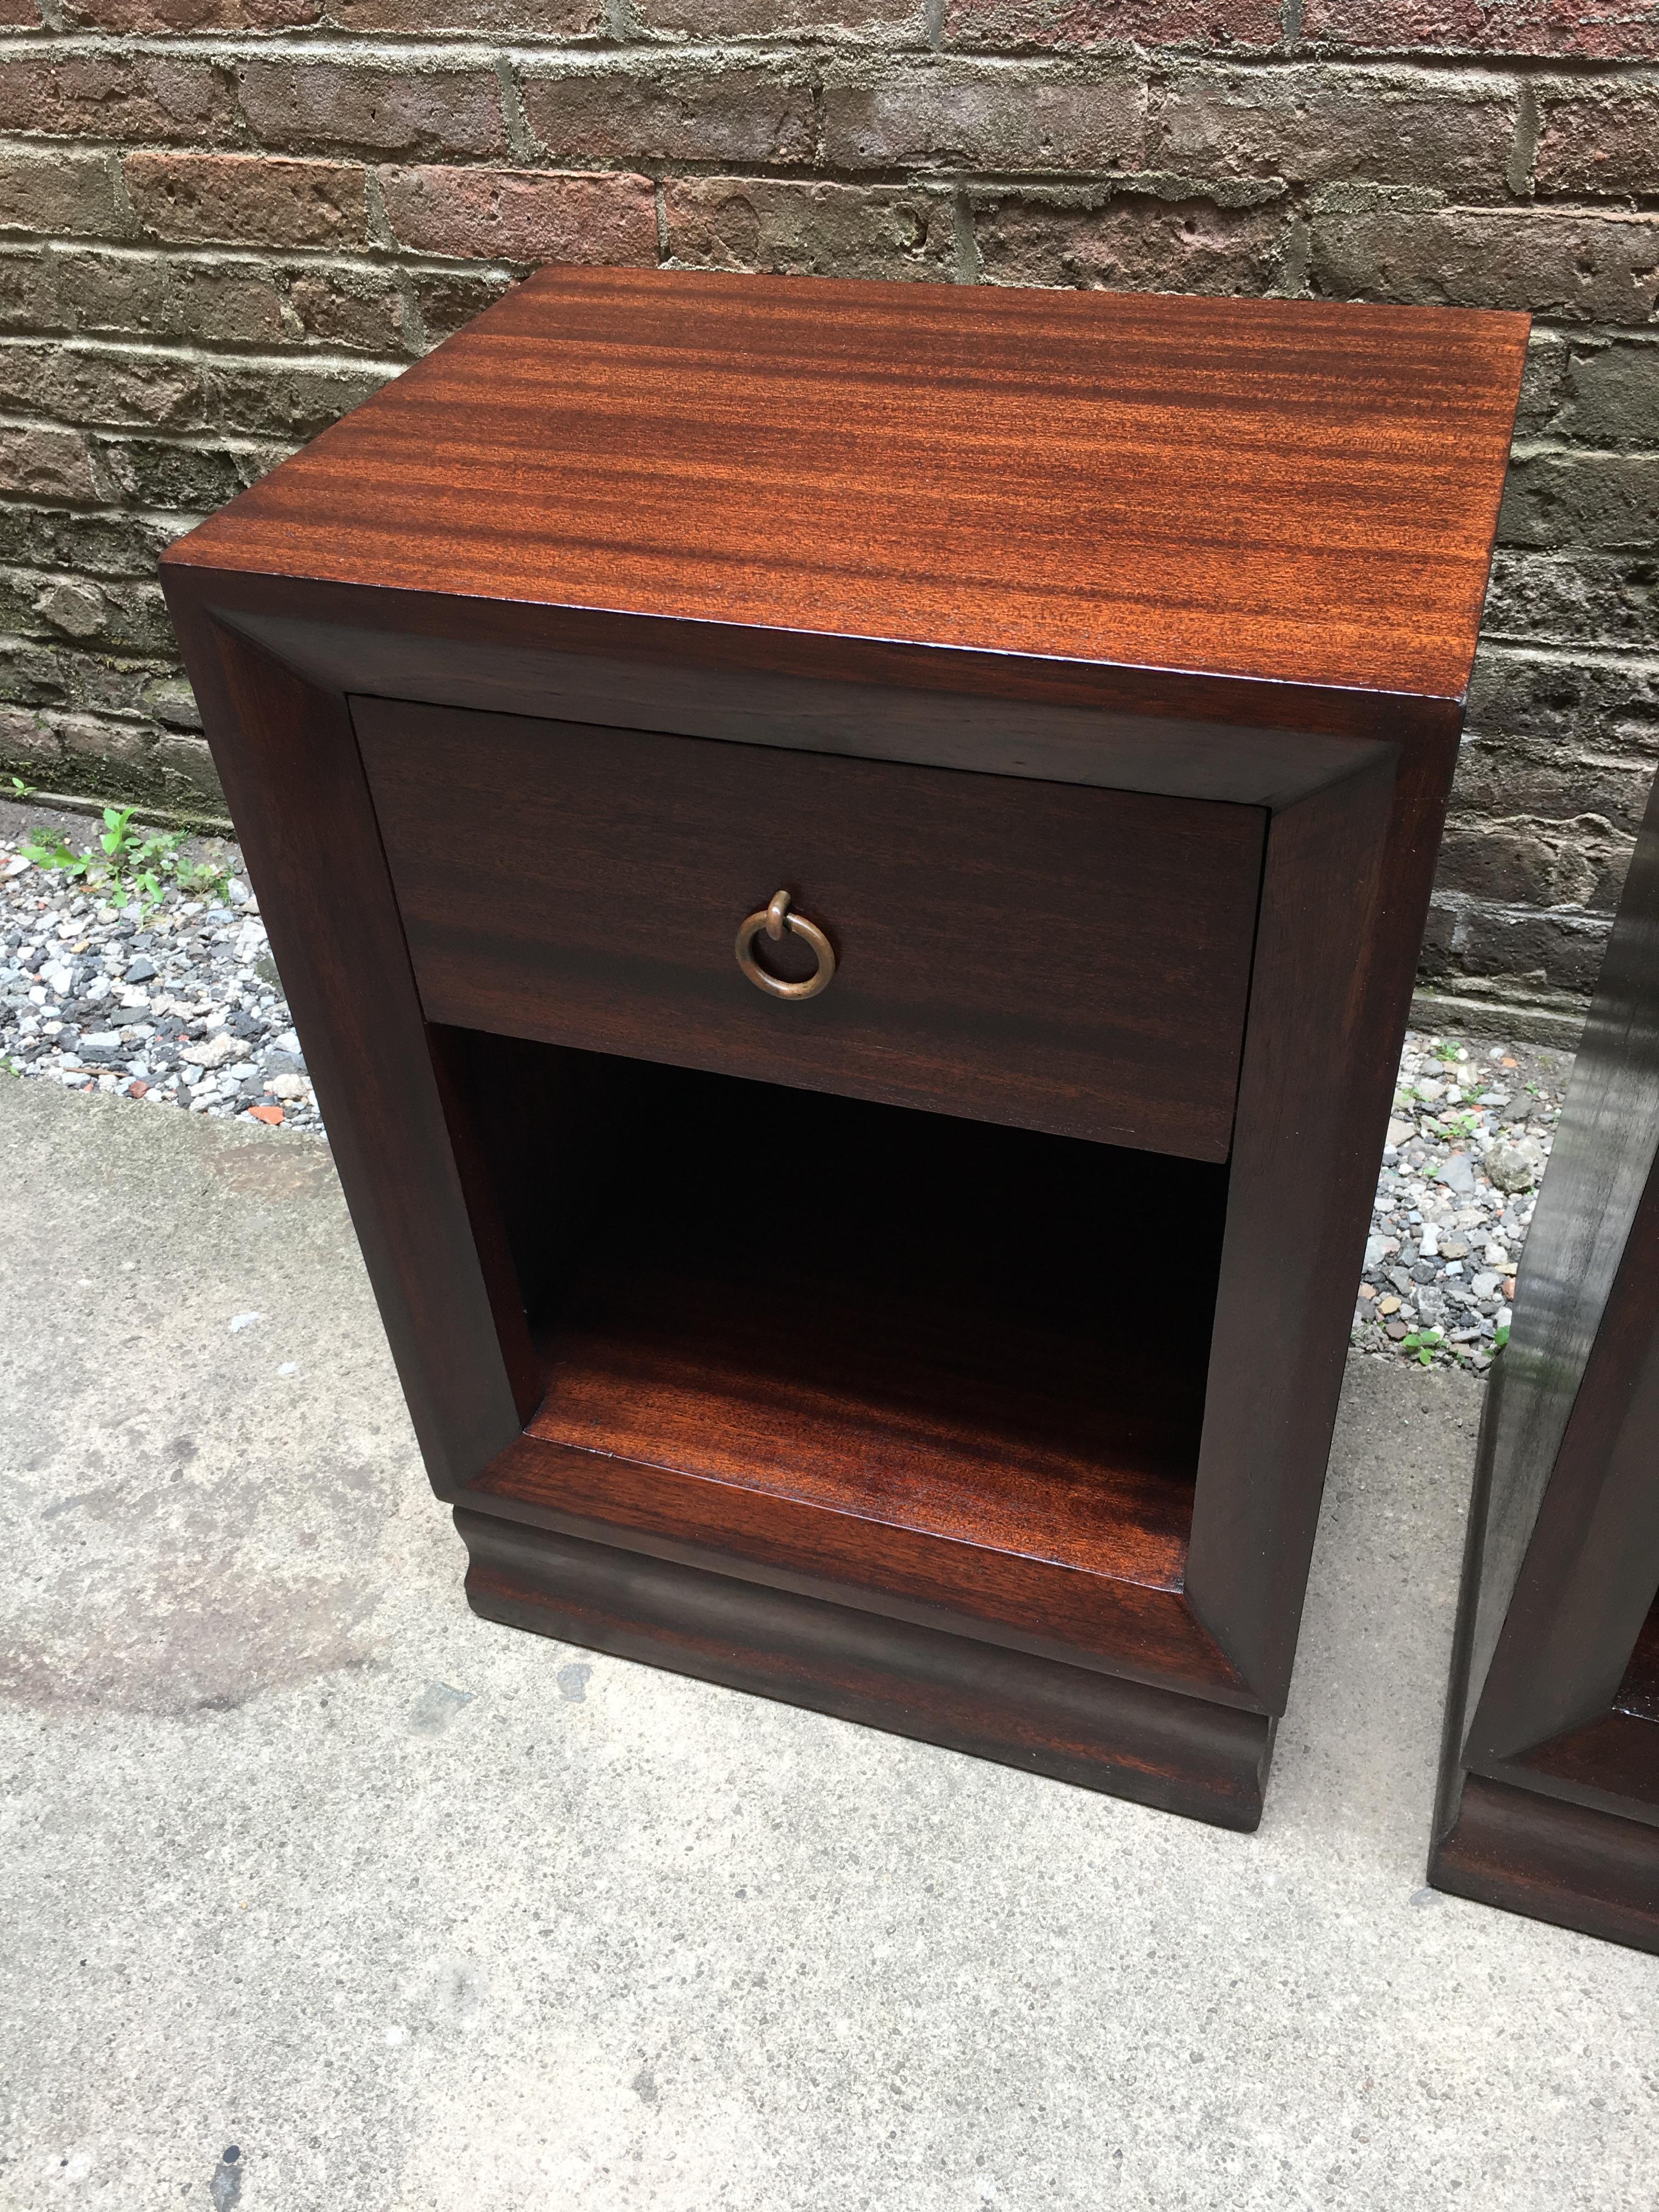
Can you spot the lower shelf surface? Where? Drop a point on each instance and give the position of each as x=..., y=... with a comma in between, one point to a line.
x=1180, y=1753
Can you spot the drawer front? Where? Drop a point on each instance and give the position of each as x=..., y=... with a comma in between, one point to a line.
x=1050, y=956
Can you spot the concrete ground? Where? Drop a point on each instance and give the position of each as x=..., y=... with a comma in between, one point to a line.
x=319, y=1892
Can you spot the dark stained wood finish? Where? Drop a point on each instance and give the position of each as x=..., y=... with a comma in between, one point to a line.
x=1561, y=1862
x=1182, y=1754
x=1025, y=952
x=1193, y=550
x=1296, y=490
x=1552, y=1694
x=463, y=1360
x=880, y=1346
x=1326, y=996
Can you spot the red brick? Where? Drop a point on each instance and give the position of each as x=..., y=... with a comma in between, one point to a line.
x=116, y=96
x=982, y=115
x=514, y=18
x=523, y=215
x=673, y=111
x=1597, y=30
x=102, y=386
x=864, y=19
x=350, y=310
x=247, y=199
x=1600, y=137
x=1571, y=266
x=109, y=292
x=236, y=306
x=444, y=299
x=46, y=463
x=294, y=398
x=136, y=17
x=1209, y=24
x=61, y=194
x=1310, y=123
x=1134, y=242
x=301, y=103
x=806, y=229
x=31, y=296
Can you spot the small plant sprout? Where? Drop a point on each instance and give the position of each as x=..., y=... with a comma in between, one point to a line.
x=136, y=865
x=1424, y=1343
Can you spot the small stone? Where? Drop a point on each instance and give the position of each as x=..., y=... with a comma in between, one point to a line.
x=1453, y=1249
x=1396, y=1329
x=1485, y=1284
x=270, y=1114
x=135, y=1089
x=1387, y=1305
x=1400, y=1132
x=1516, y=1167
x=214, y=1052
x=288, y=1087
x=1458, y=1173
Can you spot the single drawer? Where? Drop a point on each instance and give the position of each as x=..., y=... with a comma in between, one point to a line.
x=1047, y=955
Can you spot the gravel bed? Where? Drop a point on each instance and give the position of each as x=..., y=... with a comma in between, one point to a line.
x=1468, y=1142
x=180, y=1005
x=175, y=1004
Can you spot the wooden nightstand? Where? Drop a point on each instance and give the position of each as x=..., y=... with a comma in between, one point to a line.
x=1549, y=1797
x=954, y=1347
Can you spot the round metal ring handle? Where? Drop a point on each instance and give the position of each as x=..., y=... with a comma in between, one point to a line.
x=774, y=920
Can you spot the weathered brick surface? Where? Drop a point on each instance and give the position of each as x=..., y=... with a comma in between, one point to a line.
x=811, y=230
x=983, y=115
x=44, y=462
x=56, y=193
x=1135, y=242
x=299, y=106
x=1313, y=123
x=1599, y=137
x=523, y=215
x=444, y=299
x=1590, y=500
x=1577, y=598
x=117, y=95
x=860, y=22
x=247, y=199
x=1230, y=25
x=1597, y=30
x=672, y=112
x=224, y=222
x=1571, y=265
x=135, y=17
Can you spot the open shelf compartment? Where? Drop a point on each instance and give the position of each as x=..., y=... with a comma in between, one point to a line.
x=976, y=1334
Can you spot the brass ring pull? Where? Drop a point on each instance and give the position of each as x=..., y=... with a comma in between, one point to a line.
x=774, y=920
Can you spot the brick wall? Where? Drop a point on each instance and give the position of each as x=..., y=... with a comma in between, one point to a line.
x=223, y=222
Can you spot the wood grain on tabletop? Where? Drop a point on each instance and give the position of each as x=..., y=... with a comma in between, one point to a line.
x=1289, y=490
